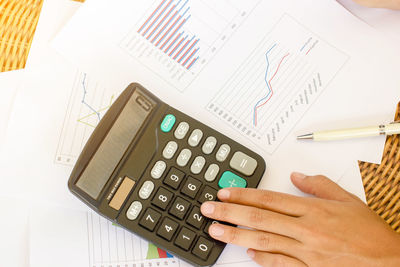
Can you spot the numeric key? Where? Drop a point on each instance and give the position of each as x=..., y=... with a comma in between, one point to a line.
x=167, y=228
x=202, y=248
x=179, y=208
x=195, y=218
x=185, y=238
x=208, y=194
x=191, y=187
x=150, y=219
x=162, y=198
x=174, y=178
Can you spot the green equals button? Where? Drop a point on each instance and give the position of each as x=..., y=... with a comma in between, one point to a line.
x=229, y=179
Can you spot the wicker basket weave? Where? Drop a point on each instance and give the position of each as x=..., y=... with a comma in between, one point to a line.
x=382, y=182
x=18, y=20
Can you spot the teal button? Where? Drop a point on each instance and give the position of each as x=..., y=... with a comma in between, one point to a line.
x=168, y=123
x=229, y=179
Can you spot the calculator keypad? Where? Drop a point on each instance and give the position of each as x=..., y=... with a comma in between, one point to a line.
x=192, y=168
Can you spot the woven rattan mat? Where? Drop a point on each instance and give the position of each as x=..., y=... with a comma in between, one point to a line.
x=382, y=182
x=18, y=20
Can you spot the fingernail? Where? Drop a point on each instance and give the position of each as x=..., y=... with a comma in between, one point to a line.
x=251, y=253
x=298, y=175
x=216, y=230
x=224, y=194
x=207, y=208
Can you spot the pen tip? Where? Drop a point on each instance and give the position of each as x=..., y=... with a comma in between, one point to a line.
x=305, y=136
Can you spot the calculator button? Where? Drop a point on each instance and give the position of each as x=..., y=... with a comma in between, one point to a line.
x=150, y=219
x=195, y=218
x=185, y=238
x=184, y=157
x=229, y=179
x=211, y=173
x=202, y=248
x=168, y=123
x=191, y=187
x=208, y=194
x=174, y=178
x=209, y=145
x=181, y=130
x=167, y=229
x=158, y=169
x=243, y=163
x=134, y=210
x=179, y=208
x=223, y=152
x=195, y=138
x=170, y=150
x=146, y=190
x=162, y=198
x=198, y=165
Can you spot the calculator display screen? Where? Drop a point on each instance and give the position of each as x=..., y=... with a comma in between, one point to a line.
x=114, y=145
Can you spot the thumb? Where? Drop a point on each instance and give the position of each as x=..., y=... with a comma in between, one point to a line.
x=319, y=186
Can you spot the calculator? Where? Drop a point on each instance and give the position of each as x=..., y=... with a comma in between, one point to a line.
x=148, y=168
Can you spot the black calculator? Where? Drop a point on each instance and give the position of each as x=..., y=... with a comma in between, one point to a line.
x=148, y=167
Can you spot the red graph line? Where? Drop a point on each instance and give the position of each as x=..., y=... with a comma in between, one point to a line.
x=171, y=18
x=156, y=19
x=272, y=91
x=159, y=23
x=180, y=42
x=172, y=35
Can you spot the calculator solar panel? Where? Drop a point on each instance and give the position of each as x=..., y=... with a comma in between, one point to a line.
x=148, y=167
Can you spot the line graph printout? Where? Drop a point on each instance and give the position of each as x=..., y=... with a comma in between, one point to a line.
x=112, y=246
x=177, y=38
x=88, y=103
x=271, y=91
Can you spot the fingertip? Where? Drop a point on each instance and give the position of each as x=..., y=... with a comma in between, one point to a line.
x=251, y=253
x=207, y=208
x=216, y=230
x=224, y=194
x=298, y=176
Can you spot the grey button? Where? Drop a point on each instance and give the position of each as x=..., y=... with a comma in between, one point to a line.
x=209, y=145
x=198, y=165
x=170, y=150
x=158, y=169
x=223, y=152
x=195, y=138
x=184, y=157
x=243, y=163
x=146, y=190
x=181, y=130
x=211, y=173
x=134, y=210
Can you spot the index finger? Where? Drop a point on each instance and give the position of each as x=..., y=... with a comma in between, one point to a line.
x=264, y=199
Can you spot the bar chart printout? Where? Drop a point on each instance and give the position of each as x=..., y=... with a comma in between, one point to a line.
x=272, y=90
x=177, y=38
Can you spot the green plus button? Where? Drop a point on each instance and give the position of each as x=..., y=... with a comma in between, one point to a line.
x=229, y=179
x=168, y=123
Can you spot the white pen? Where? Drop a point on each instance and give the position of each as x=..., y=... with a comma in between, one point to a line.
x=388, y=129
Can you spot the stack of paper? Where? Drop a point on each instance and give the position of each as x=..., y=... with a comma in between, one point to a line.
x=260, y=72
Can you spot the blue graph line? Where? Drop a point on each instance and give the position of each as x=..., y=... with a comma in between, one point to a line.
x=84, y=97
x=266, y=81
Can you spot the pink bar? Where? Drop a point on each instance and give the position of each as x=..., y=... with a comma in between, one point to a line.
x=171, y=43
x=163, y=28
x=161, y=21
x=181, y=49
x=154, y=21
x=184, y=63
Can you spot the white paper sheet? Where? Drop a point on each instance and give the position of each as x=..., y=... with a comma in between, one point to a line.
x=14, y=248
x=9, y=84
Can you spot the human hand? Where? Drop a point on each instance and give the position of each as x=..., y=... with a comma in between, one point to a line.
x=392, y=4
x=333, y=229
